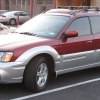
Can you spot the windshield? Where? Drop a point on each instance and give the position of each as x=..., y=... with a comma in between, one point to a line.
x=44, y=25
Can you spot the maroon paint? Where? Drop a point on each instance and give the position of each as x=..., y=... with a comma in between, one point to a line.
x=96, y=41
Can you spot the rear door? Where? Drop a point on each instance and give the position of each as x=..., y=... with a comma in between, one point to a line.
x=77, y=52
x=95, y=23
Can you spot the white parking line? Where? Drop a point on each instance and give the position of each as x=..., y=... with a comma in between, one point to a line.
x=57, y=89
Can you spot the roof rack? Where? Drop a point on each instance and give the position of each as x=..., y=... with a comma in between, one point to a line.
x=69, y=7
x=84, y=8
x=78, y=9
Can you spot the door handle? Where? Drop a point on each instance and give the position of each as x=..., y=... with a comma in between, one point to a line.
x=89, y=42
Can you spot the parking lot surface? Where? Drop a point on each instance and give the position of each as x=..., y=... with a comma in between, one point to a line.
x=89, y=91
x=80, y=85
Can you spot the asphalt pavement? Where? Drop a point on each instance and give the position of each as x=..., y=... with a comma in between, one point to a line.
x=79, y=85
x=89, y=91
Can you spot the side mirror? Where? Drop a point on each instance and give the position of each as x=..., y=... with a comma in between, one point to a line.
x=72, y=33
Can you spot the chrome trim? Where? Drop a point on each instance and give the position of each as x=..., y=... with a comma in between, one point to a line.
x=75, y=54
x=19, y=68
x=78, y=58
x=17, y=78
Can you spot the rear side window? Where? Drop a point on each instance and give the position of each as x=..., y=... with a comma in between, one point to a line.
x=95, y=22
x=81, y=25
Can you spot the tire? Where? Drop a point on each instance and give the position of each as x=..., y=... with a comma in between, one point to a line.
x=12, y=22
x=36, y=74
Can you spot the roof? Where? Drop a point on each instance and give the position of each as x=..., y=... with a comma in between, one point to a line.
x=75, y=12
x=59, y=11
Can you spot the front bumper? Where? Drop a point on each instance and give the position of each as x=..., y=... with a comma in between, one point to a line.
x=11, y=72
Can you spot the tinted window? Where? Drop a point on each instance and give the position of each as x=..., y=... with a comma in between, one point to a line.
x=81, y=25
x=95, y=22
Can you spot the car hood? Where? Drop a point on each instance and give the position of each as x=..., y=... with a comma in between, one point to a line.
x=13, y=41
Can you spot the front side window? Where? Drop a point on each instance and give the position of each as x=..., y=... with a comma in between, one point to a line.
x=81, y=25
x=44, y=25
x=95, y=22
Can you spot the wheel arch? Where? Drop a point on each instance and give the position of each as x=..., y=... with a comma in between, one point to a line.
x=51, y=60
x=41, y=50
x=30, y=74
x=46, y=51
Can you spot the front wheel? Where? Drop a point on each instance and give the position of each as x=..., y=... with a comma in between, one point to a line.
x=36, y=74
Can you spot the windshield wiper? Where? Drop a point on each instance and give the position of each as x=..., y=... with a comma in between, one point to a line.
x=28, y=33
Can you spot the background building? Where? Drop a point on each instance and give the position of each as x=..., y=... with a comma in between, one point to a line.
x=73, y=2
x=35, y=7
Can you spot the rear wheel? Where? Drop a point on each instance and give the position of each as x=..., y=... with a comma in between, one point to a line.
x=12, y=22
x=36, y=74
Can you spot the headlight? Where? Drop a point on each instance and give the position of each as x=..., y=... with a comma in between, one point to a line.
x=6, y=56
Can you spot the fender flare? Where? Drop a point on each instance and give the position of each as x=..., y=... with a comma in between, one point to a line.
x=31, y=53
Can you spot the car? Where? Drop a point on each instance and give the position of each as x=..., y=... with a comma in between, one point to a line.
x=13, y=17
x=6, y=29
x=3, y=11
x=50, y=44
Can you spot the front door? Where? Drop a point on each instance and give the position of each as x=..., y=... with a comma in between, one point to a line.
x=77, y=51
